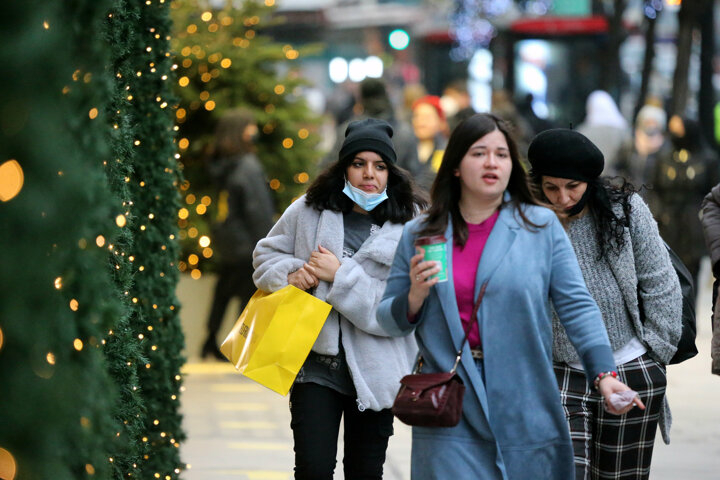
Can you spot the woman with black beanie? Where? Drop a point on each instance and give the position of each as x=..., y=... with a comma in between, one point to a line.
x=337, y=242
x=624, y=261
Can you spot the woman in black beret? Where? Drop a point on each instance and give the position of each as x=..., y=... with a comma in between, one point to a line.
x=627, y=270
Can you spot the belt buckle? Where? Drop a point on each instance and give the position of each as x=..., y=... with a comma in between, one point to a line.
x=477, y=353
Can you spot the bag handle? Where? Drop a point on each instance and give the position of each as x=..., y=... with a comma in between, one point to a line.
x=458, y=355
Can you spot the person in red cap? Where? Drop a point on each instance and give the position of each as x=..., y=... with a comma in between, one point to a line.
x=430, y=127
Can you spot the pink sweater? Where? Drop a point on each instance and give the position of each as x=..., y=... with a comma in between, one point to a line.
x=465, y=264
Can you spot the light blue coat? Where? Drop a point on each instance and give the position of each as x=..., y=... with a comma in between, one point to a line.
x=513, y=426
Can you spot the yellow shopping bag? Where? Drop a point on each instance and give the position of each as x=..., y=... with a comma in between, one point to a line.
x=274, y=334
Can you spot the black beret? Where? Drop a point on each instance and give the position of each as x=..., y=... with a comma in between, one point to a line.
x=565, y=153
x=371, y=135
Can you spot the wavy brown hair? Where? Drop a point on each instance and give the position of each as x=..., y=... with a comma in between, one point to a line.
x=445, y=192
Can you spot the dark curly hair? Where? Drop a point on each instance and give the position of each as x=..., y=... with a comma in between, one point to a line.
x=603, y=195
x=404, y=200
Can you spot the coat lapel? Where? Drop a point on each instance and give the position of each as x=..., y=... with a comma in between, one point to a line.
x=446, y=293
x=498, y=245
x=330, y=232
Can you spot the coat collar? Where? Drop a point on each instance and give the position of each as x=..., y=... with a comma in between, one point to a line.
x=330, y=233
x=498, y=244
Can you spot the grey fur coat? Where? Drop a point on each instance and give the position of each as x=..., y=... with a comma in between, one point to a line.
x=376, y=361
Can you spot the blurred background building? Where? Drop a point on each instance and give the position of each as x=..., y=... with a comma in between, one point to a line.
x=557, y=50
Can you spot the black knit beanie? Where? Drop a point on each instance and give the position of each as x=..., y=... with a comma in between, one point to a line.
x=565, y=153
x=370, y=134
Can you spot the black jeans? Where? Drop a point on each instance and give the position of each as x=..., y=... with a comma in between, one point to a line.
x=234, y=280
x=316, y=411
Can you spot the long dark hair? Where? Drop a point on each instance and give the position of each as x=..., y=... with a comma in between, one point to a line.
x=404, y=200
x=603, y=195
x=445, y=192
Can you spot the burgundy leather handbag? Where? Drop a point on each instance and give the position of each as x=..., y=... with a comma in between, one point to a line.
x=433, y=399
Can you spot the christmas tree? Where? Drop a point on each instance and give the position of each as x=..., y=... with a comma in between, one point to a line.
x=224, y=62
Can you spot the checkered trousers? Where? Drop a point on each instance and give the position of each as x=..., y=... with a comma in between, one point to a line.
x=609, y=446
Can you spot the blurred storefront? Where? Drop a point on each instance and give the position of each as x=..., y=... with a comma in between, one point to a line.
x=551, y=49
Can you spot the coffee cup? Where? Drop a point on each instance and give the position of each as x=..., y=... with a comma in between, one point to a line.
x=435, y=251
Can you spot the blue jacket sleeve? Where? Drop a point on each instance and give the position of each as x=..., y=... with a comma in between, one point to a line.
x=576, y=308
x=393, y=308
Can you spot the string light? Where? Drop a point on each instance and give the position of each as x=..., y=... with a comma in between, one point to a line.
x=12, y=179
x=8, y=466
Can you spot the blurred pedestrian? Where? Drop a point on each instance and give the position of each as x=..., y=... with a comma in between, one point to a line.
x=682, y=176
x=649, y=139
x=337, y=241
x=374, y=102
x=430, y=127
x=605, y=126
x=711, y=227
x=410, y=93
x=504, y=107
x=498, y=240
x=244, y=190
x=622, y=259
x=527, y=110
x=456, y=103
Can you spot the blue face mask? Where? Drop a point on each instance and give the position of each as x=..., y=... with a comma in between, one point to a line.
x=366, y=201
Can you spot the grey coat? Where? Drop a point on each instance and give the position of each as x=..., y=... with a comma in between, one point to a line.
x=711, y=227
x=643, y=264
x=376, y=361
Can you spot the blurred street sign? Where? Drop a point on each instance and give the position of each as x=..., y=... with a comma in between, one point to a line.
x=571, y=7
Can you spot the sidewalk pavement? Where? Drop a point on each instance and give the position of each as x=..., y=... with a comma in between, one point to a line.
x=239, y=430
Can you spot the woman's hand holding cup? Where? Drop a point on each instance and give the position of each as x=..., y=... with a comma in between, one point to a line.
x=420, y=283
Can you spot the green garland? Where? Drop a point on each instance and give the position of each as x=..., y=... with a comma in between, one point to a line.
x=90, y=338
x=144, y=73
x=123, y=348
x=58, y=298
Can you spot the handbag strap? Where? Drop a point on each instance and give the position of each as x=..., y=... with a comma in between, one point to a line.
x=476, y=307
x=458, y=355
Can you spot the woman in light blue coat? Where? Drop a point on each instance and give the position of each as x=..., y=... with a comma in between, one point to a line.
x=512, y=425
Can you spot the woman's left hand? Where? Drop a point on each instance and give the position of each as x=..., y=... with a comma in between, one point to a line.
x=323, y=264
x=609, y=385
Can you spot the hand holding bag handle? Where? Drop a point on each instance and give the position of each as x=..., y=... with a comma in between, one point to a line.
x=434, y=399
